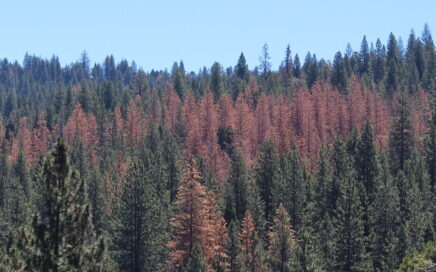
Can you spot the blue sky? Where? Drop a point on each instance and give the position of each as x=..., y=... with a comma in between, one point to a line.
x=157, y=33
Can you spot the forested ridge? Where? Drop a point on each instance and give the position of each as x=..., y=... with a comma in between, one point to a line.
x=314, y=166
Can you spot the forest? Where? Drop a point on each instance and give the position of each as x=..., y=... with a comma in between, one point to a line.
x=314, y=166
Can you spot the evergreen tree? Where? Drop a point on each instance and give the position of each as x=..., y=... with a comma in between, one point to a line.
x=430, y=148
x=196, y=261
x=140, y=231
x=61, y=236
x=287, y=70
x=216, y=85
x=241, y=68
x=339, y=73
x=384, y=221
x=310, y=68
x=292, y=192
x=412, y=72
x=349, y=253
x=430, y=56
x=281, y=242
x=297, y=67
x=267, y=174
x=4, y=178
x=179, y=84
x=234, y=251
x=380, y=62
x=393, y=66
x=365, y=65
x=366, y=162
x=401, y=140
x=236, y=204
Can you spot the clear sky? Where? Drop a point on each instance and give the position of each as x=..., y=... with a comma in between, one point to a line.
x=157, y=33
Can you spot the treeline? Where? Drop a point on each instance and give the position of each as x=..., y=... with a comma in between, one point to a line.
x=323, y=167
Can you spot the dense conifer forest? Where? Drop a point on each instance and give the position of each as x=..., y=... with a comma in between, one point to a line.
x=315, y=166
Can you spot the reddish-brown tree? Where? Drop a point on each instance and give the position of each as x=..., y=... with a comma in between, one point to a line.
x=13, y=151
x=283, y=134
x=263, y=121
x=76, y=124
x=216, y=235
x=40, y=139
x=192, y=125
x=172, y=109
x=421, y=114
x=356, y=106
x=190, y=221
x=243, y=128
x=216, y=159
x=226, y=111
x=118, y=126
x=247, y=236
x=134, y=122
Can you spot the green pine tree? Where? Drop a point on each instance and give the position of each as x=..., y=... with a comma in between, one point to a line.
x=401, y=139
x=196, y=262
x=141, y=223
x=267, y=177
x=61, y=236
x=234, y=251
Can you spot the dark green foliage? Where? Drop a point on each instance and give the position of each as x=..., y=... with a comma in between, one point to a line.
x=393, y=66
x=380, y=62
x=267, y=177
x=216, y=84
x=235, y=254
x=310, y=68
x=140, y=228
x=430, y=148
x=241, y=68
x=225, y=139
x=196, y=262
x=349, y=251
x=339, y=75
x=384, y=222
x=366, y=161
x=179, y=84
x=60, y=236
x=365, y=60
x=402, y=139
x=297, y=66
x=293, y=188
x=237, y=191
x=4, y=178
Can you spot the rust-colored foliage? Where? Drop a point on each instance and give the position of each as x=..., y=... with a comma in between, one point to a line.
x=83, y=125
x=171, y=109
x=421, y=114
x=134, y=122
x=247, y=236
x=197, y=220
x=263, y=121
x=226, y=111
x=192, y=125
x=40, y=139
x=243, y=128
x=282, y=125
x=216, y=235
x=209, y=149
x=190, y=222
